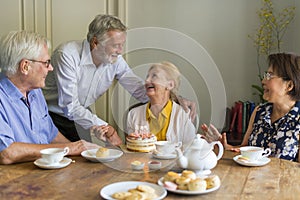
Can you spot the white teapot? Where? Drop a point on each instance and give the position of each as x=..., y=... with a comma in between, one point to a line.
x=200, y=156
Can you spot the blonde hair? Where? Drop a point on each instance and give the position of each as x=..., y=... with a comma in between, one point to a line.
x=173, y=74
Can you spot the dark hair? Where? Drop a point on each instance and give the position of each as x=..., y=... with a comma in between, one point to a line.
x=286, y=66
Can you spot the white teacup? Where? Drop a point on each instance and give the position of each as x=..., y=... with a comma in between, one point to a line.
x=54, y=155
x=254, y=153
x=166, y=147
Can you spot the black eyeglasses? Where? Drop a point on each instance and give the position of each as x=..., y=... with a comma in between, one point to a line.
x=46, y=63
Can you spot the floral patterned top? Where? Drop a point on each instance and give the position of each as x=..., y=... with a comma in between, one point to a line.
x=281, y=136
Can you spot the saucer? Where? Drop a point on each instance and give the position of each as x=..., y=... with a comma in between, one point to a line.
x=164, y=156
x=63, y=163
x=91, y=155
x=257, y=163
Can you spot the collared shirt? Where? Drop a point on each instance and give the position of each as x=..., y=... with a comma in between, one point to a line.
x=180, y=129
x=159, y=126
x=76, y=83
x=23, y=120
x=281, y=136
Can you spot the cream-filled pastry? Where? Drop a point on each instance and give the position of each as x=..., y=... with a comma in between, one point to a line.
x=171, y=176
x=197, y=184
x=212, y=181
x=188, y=174
x=182, y=183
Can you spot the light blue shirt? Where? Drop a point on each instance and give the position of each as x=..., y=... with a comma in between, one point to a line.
x=76, y=82
x=21, y=121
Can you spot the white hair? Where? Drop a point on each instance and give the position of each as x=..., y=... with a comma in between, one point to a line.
x=19, y=45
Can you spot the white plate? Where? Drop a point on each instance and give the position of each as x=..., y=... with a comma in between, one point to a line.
x=65, y=162
x=91, y=155
x=107, y=191
x=257, y=163
x=186, y=192
x=164, y=156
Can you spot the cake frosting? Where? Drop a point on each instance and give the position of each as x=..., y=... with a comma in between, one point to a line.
x=141, y=142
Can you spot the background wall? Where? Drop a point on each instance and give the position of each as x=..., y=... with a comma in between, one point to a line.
x=222, y=29
x=219, y=27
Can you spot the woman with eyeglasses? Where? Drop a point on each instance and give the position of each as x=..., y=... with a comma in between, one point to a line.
x=276, y=123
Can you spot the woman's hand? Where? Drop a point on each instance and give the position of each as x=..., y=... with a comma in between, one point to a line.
x=210, y=133
x=228, y=146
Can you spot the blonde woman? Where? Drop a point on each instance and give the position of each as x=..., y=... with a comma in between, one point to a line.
x=162, y=115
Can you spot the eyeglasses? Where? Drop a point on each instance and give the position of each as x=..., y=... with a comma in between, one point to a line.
x=268, y=76
x=46, y=63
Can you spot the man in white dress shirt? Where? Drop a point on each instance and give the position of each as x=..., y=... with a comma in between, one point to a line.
x=83, y=72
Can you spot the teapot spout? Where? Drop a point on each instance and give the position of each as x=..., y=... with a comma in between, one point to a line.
x=182, y=161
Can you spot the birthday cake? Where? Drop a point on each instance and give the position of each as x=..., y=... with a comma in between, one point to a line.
x=141, y=142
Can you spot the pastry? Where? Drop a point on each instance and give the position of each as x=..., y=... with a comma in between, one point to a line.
x=121, y=195
x=182, y=183
x=136, y=196
x=134, y=190
x=145, y=188
x=189, y=181
x=141, y=192
x=102, y=152
x=151, y=196
x=197, y=184
x=212, y=181
x=188, y=174
x=243, y=159
x=171, y=176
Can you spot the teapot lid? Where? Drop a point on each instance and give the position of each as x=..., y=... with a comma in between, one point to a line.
x=200, y=143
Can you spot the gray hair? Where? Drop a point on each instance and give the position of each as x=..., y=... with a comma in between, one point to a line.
x=19, y=45
x=103, y=24
x=173, y=74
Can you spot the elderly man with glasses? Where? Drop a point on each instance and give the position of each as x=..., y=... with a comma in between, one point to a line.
x=25, y=125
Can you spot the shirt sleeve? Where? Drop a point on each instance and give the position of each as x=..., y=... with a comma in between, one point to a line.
x=6, y=135
x=131, y=82
x=68, y=100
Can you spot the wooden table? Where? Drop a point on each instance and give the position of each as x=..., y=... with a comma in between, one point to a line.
x=83, y=179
